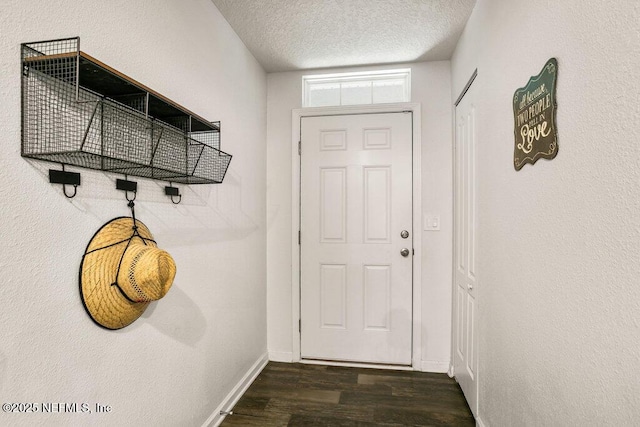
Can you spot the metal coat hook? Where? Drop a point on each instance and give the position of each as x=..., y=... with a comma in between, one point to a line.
x=126, y=196
x=127, y=186
x=172, y=192
x=65, y=178
x=64, y=191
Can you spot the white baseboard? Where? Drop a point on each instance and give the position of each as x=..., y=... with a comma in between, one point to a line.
x=434, y=366
x=479, y=423
x=281, y=356
x=236, y=393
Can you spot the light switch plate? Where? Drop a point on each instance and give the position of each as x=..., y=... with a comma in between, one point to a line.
x=431, y=222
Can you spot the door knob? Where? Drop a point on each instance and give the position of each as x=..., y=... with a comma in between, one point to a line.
x=404, y=252
x=404, y=234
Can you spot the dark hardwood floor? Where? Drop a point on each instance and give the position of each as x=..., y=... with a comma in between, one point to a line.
x=287, y=394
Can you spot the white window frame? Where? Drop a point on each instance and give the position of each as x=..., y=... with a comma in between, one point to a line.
x=403, y=74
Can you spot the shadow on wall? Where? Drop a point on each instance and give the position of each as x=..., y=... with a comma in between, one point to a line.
x=212, y=213
x=223, y=220
x=181, y=319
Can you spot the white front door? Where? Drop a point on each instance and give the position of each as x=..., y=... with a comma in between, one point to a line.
x=465, y=274
x=356, y=201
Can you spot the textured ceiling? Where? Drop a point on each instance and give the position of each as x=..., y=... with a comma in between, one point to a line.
x=303, y=34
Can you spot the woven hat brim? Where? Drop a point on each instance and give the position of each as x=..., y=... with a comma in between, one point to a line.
x=105, y=303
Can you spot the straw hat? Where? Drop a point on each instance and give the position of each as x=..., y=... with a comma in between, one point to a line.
x=122, y=271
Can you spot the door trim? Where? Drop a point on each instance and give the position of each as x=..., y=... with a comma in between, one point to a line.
x=296, y=117
x=466, y=88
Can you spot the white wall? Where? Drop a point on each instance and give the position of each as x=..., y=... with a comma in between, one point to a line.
x=559, y=243
x=431, y=87
x=176, y=364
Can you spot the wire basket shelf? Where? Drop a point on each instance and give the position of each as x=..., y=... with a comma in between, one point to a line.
x=78, y=111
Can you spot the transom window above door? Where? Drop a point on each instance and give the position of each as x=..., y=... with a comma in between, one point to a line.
x=370, y=87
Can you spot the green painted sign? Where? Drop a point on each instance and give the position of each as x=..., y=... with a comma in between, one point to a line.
x=534, y=114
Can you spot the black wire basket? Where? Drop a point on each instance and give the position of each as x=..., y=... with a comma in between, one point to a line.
x=78, y=111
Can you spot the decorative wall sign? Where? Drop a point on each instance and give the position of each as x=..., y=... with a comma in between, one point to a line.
x=534, y=114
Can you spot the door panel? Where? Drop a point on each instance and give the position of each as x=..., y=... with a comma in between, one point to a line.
x=465, y=277
x=377, y=204
x=377, y=297
x=356, y=287
x=333, y=205
x=333, y=296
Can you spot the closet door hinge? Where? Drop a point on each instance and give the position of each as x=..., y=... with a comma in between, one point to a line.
x=299, y=148
x=299, y=236
x=299, y=325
